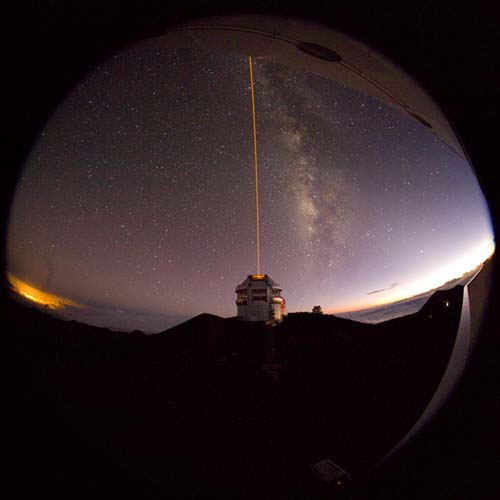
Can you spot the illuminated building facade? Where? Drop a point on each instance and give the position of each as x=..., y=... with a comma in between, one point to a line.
x=259, y=299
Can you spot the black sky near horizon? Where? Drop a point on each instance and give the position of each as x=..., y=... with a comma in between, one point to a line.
x=139, y=194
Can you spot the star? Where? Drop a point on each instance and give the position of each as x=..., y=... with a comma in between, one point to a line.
x=140, y=192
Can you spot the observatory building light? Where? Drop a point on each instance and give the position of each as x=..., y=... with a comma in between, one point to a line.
x=259, y=298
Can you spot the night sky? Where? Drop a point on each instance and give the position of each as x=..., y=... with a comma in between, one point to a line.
x=138, y=200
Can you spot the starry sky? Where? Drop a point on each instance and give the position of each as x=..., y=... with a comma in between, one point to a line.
x=137, y=203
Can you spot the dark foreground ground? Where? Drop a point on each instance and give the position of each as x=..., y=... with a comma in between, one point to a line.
x=191, y=413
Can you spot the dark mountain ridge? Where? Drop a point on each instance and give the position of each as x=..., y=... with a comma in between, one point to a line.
x=192, y=408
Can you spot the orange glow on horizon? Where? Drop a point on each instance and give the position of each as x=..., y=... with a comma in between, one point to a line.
x=37, y=296
x=454, y=269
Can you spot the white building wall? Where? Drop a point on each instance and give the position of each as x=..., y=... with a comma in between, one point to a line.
x=256, y=302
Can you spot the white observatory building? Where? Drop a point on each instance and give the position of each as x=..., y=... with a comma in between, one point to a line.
x=259, y=299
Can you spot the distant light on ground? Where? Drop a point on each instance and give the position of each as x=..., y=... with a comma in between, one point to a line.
x=37, y=296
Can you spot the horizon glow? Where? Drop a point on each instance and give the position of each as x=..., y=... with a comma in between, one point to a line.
x=139, y=193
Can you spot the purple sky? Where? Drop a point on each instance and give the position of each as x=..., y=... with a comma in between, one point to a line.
x=137, y=201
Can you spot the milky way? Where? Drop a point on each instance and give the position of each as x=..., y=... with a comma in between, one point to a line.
x=138, y=198
x=322, y=189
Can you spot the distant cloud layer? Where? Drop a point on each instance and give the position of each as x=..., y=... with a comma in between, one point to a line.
x=383, y=289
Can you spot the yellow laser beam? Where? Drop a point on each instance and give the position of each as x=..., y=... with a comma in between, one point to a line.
x=257, y=231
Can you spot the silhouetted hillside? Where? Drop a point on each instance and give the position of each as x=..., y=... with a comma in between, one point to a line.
x=191, y=412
